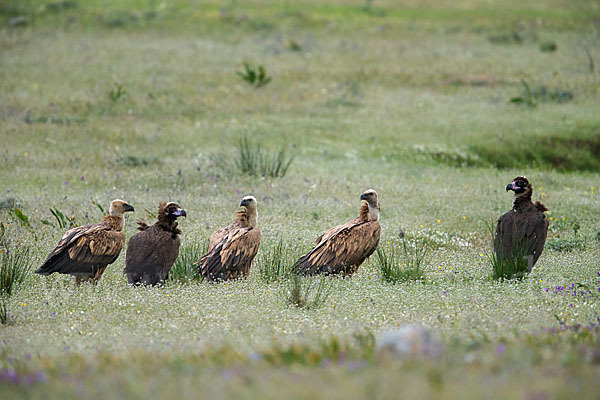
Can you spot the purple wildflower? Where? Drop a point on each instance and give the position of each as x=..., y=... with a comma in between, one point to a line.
x=501, y=349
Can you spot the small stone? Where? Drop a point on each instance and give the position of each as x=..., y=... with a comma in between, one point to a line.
x=409, y=341
x=17, y=21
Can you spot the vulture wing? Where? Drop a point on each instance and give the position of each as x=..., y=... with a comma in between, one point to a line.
x=218, y=235
x=535, y=235
x=84, y=251
x=232, y=256
x=341, y=250
x=521, y=235
x=150, y=256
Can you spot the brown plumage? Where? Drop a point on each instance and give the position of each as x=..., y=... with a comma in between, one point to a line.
x=233, y=248
x=152, y=252
x=522, y=231
x=343, y=248
x=86, y=251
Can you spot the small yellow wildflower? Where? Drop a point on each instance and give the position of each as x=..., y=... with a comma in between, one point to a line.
x=568, y=189
x=480, y=254
x=464, y=217
x=168, y=295
x=563, y=218
x=389, y=242
x=438, y=221
x=421, y=226
x=551, y=218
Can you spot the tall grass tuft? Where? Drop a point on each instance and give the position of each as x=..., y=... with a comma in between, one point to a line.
x=13, y=270
x=273, y=262
x=307, y=292
x=183, y=270
x=254, y=75
x=253, y=160
x=402, y=262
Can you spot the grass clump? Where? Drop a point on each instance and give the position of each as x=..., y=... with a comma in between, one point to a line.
x=254, y=160
x=184, y=270
x=13, y=270
x=307, y=292
x=402, y=262
x=272, y=263
x=531, y=96
x=564, y=245
x=574, y=150
x=117, y=93
x=254, y=75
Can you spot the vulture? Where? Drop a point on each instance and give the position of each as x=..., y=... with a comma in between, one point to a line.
x=86, y=251
x=521, y=232
x=152, y=252
x=232, y=248
x=343, y=248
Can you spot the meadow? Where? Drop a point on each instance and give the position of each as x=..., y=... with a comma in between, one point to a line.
x=437, y=105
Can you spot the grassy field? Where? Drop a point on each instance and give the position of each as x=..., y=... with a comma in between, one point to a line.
x=437, y=105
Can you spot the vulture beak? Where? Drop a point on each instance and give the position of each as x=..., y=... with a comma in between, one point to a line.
x=363, y=197
x=244, y=202
x=180, y=213
x=510, y=186
x=127, y=207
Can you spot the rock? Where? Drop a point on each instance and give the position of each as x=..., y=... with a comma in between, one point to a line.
x=409, y=341
x=17, y=21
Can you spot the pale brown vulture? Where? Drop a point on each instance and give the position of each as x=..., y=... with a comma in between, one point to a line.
x=521, y=232
x=86, y=251
x=233, y=248
x=343, y=248
x=152, y=252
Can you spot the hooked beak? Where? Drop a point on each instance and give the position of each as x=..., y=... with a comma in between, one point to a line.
x=244, y=203
x=127, y=207
x=180, y=213
x=363, y=197
x=512, y=186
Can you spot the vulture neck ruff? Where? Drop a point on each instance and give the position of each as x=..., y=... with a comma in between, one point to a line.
x=522, y=200
x=115, y=222
x=368, y=212
x=247, y=217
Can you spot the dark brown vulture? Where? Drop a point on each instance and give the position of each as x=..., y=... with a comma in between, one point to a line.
x=86, y=251
x=233, y=248
x=343, y=248
x=521, y=232
x=152, y=252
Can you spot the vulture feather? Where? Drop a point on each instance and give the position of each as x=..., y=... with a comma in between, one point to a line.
x=521, y=232
x=232, y=248
x=343, y=248
x=86, y=251
x=152, y=252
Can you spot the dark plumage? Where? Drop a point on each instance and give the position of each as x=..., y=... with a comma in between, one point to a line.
x=343, y=248
x=86, y=251
x=522, y=231
x=232, y=248
x=152, y=252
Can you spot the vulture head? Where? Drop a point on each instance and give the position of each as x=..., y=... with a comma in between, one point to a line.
x=119, y=207
x=520, y=185
x=370, y=196
x=249, y=205
x=171, y=211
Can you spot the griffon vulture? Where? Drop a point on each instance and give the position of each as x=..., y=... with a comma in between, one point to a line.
x=233, y=248
x=344, y=247
x=521, y=232
x=152, y=252
x=86, y=251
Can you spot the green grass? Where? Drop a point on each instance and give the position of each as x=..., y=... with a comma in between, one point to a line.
x=410, y=99
x=401, y=262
